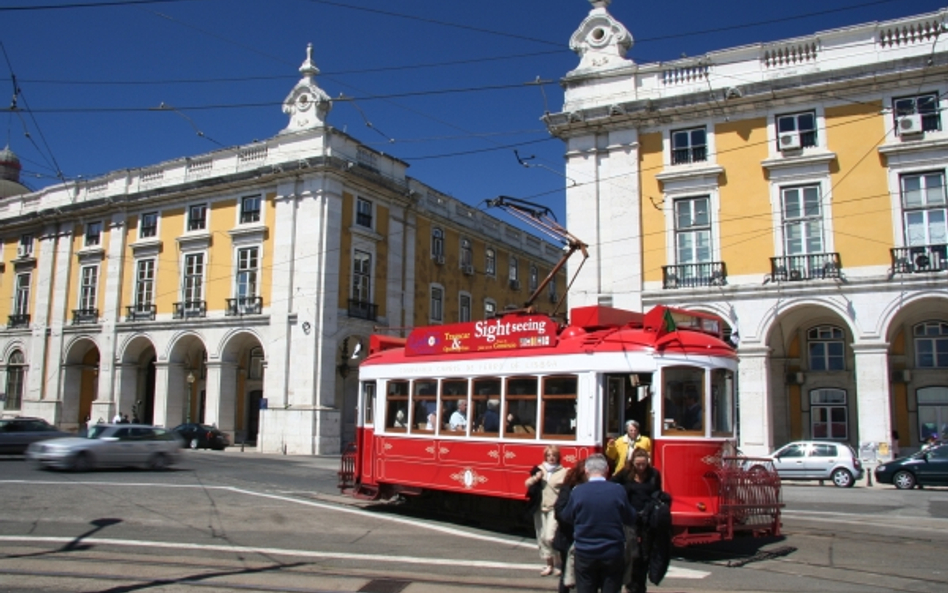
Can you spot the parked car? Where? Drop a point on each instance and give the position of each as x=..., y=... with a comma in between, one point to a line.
x=818, y=460
x=201, y=436
x=16, y=434
x=928, y=467
x=109, y=445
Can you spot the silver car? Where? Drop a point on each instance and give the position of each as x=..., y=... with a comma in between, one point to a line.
x=109, y=445
x=818, y=460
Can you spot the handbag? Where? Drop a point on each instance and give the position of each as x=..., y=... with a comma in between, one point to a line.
x=569, y=568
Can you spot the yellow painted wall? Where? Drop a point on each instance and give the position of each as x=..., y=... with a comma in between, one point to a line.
x=897, y=347
x=862, y=209
x=653, y=220
x=266, y=263
x=167, y=284
x=796, y=412
x=746, y=221
x=219, y=272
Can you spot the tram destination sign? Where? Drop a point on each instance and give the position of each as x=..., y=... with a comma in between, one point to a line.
x=490, y=335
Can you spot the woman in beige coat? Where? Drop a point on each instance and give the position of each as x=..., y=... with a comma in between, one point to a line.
x=549, y=475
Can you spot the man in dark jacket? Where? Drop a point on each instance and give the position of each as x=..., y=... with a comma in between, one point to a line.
x=598, y=511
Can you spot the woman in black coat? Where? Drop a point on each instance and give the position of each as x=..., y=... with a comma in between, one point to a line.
x=563, y=540
x=641, y=482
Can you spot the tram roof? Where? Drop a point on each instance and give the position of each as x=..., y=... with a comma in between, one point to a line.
x=665, y=330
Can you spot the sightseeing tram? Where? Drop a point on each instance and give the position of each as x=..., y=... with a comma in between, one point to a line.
x=524, y=381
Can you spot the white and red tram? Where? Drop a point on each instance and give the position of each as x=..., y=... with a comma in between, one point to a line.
x=528, y=382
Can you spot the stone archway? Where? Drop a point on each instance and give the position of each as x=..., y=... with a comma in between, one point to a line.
x=181, y=395
x=239, y=375
x=80, y=384
x=135, y=393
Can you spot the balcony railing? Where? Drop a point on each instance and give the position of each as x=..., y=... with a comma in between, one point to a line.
x=693, y=154
x=694, y=275
x=140, y=312
x=19, y=320
x=363, y=310
x=85, y=316
x=189, y=309
x=244, y=306
x=814, y=266
x=919, y=259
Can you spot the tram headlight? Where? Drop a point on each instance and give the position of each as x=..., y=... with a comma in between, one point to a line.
x=702, y=507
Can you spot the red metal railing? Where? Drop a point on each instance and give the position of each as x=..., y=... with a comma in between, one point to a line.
x=347, y=467
x=749, y=497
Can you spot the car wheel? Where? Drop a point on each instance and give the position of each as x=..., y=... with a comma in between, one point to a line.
x=904, y=480
x=158, y=462
x=842, y=478
x=194, y=444
x=82, y=462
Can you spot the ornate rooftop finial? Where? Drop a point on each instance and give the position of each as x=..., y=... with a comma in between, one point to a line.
x=601, y=41
x=307, y=104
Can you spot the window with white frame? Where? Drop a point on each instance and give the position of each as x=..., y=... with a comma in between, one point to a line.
x=924, y=105
x=362, y=276
x=693, y=230
x=800, y=124
x=931, y=345
x=149, y=225
x=490, y=262
x=16, y=370
x=25, y=247
x=932, y=412
x=490, y=308
x=467, y=254
x=802, y=220
x=248, y=273
x=197, y=217
x=88, y=286
x=829, y=414
x=364, y=213
x=93, y=234
x=925, y=209
x=437, y=244
x=193, y=281
x=827, y=350
x=689, y=146
x=464, y=307
x=534, y=278
x=250, y=209
x=513, y=269
x=437, y=304
x=21, y=294
x=144, y=284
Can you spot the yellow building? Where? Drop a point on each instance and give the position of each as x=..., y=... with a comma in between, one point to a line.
x=796, y=189
x=233, y=288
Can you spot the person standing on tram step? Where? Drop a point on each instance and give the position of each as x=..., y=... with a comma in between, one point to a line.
x=599, y=511
x=619, y=451
x=543, y=486
x=458, y=419
x=641, y=482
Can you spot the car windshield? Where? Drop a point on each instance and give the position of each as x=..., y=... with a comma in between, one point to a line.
x=96, y=432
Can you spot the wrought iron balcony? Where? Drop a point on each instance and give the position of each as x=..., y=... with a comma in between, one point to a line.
x=363, y=310
x=189, y=309
x=693, y=275
x=244, y=306
x=18, y=320
x=692, y=154
x=140, y=312
x=919, y=259
x=85, y=316
x=813, y=266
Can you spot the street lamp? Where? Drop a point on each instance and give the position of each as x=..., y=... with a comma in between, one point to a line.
x=190, y=379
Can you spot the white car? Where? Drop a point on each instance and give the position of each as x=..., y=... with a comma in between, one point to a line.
x=109, y=445
x=818, y=460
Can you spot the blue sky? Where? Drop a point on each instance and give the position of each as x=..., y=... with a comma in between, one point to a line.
x=442, y=83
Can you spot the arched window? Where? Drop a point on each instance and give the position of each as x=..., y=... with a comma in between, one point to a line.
x=931, y=345
x=16, y=369
x=826, y=348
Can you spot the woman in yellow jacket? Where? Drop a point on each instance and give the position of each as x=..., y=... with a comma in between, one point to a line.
x=620, y=450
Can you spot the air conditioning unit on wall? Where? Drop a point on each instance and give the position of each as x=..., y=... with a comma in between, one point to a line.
x=22, y=251
x=910, y=124
x=790, y=141
x=795, y=378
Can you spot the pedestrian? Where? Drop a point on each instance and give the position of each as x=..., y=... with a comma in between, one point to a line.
x=641, y=482
x=619, y=451
x=117, y=419
x=125, y=419
x=599, y=511
x=563, y=540
x=896, y=453
x=547, y=478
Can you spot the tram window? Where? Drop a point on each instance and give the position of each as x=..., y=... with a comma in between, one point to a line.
x=396, y=410
x=485, y=401
x=368, y=406
x=454, y=401
x=521, y=413
x=424, y=406
x=722, y=402
x=683, y=406
x=558, y=409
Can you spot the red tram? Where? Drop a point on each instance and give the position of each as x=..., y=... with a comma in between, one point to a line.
x=524, y=381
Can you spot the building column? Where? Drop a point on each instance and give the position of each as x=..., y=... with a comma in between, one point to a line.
x=221, y=396
x=754, y=400
x=170, y=392
x=121, y=398
x=872, y=395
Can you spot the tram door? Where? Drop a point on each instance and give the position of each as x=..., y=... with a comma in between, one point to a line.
x=627, y=398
